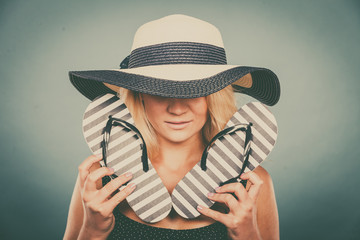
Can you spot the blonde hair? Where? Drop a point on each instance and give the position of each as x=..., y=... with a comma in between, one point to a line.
x=221, y=106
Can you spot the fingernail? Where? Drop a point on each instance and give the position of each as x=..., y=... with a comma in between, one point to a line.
x=128, y=174
x=132, y=186
x=98, y=155
x=200, y=207
x=217, y=189
x=111, y=169
x=210, y=194
x=242, y=175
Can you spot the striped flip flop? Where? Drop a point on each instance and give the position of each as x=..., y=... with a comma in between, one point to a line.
x=246, y=141
x=108, y=129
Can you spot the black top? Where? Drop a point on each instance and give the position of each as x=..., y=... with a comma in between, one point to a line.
x=126, y=228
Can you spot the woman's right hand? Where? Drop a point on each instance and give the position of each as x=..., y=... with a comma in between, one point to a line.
x=99, y=204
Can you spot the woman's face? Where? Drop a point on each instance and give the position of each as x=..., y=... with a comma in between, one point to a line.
x=176, y=120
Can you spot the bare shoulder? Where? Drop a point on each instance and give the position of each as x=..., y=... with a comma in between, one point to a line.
x=267, y=214
x=267, y=189
x=263, y=174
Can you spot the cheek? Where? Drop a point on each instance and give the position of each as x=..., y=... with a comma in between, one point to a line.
x=150, y=113
x=205, y=117
x=203, y=114
x=202, y=109
x=153, y=112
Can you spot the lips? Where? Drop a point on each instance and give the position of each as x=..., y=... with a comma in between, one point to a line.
x=177, y=125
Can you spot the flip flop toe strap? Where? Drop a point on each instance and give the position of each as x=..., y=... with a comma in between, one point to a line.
x=248, y=137
x=119, y=122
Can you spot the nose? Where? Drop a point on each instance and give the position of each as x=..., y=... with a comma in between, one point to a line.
x=177, y=106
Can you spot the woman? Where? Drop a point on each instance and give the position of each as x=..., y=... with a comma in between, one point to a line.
x=177, y=123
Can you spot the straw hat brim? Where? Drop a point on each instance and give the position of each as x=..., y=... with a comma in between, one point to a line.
x=181, y=81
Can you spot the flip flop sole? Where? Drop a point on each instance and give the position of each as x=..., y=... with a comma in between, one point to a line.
x=150, y=200
x=225, y=159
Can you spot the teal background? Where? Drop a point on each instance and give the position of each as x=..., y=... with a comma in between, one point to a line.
x=313, y=46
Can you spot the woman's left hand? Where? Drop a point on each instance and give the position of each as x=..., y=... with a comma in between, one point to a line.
x=241, y=219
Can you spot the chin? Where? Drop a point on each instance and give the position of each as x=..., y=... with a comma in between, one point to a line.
x=179, y=138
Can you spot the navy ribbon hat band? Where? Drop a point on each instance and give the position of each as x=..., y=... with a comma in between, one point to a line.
x=177, y=53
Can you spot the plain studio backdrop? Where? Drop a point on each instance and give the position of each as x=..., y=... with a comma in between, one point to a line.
x=311, y=45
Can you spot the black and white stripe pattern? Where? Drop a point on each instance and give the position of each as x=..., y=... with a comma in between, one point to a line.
x=150, y=200
x=225, y=159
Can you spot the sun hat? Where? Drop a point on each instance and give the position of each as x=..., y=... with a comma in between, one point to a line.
x=178, y=56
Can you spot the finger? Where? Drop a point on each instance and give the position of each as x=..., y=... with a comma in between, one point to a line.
x=113, y=185
x=228, y=199
x=90, y=183
x=86, y=165
x=119, y=197
x=220, y=217
x=236, y=188
x=256, y=183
